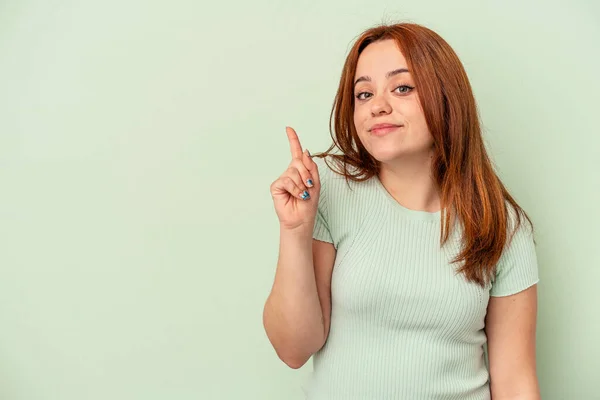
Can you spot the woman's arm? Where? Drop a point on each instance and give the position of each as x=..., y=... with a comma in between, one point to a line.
x=510, y=327
x=297, y=312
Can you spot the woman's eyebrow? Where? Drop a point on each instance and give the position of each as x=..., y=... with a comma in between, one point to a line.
x=388, y=75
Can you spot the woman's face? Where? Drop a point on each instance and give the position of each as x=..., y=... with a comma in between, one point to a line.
x=385, y=95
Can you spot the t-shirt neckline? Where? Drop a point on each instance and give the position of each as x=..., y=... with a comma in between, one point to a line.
x=413, y=214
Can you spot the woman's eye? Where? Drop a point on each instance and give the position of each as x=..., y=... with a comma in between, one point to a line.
x=404, y=88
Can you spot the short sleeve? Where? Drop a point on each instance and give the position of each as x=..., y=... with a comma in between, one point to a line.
x=517, y=268
x=321, y=229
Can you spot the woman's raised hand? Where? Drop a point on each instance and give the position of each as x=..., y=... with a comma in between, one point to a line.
x=296, y=192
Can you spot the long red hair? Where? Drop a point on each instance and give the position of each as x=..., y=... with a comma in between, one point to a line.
x=470, y=190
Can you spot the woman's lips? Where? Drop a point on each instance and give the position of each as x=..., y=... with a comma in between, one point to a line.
x=384, y=130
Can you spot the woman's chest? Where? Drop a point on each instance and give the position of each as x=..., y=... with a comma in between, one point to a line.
x=402, y=279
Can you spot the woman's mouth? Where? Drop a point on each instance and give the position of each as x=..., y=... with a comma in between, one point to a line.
x=380, y=130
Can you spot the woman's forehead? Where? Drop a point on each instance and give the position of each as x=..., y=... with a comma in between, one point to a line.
x=379, y=59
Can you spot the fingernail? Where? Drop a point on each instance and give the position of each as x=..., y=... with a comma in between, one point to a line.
x=304, y=195
x=308, y=152
x=309, y=182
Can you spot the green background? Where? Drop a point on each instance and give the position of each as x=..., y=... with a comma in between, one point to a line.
x=138, y=140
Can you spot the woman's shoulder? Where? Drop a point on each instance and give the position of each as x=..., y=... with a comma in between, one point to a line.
x=339, y=187
x=333, y=171
x=325, y=163
x=333, y=167
x=343, y=202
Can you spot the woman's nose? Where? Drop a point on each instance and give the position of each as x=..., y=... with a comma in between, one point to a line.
x=380, y=106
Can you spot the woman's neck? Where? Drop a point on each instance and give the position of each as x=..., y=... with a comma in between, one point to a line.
x=409, y=181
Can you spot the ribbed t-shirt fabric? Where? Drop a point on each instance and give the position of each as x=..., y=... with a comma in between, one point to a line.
x=404, y=324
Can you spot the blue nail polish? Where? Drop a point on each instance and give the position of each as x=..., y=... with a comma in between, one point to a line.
x=309, y=182
x=305, y=195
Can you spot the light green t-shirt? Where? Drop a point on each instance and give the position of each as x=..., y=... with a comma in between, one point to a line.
x=404, y=324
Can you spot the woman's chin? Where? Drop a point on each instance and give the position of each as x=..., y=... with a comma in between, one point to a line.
x=386, y=155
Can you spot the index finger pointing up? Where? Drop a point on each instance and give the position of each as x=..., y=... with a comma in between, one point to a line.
x=295, y=146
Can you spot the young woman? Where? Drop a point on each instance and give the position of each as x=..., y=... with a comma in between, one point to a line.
x=403, y=255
